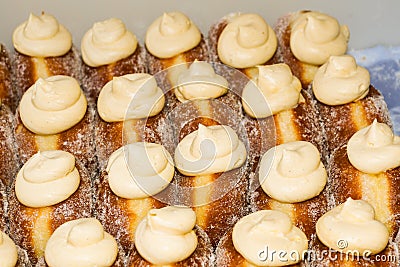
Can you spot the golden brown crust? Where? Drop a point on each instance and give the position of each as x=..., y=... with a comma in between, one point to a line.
x=28, y=69
x=341, y=122
x=94, y=78
x=30, y=228
x=109, y=206
x=8, y=95
x=78, y=140
x=8, y=152
x=202, y=256
x=305, y=72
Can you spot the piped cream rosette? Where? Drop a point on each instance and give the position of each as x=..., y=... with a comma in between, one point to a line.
x=246, y=41
x=8, y=251
x=81, y=243
x=52, y=105
x=131, y=96
x=260, y=237
x=200, y=81
x=275, y=89
x=316, y=36
x=171, y=34
x=139, y=170
x=374, y=149
x=47, y=178
x=42, y=36
x=351, y=227
x=107, y=42
x=210, y=149
x=166, y=235
x=340, y=81
x=292, y=172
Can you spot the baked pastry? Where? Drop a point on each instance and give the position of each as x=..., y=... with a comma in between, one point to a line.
x=367, y=168
x=51, y=188
x=43, y=48
x=82, y=242
x=54, y=114
x=128, y=107
x=262, y=238
x=8, y=95
x=173, y=42
x=169, y=237
x=212, y=178
x=306, y=39
x=347, y=101
x=109, y=50
x=8, y=152
x=242, y=41
x=136, y=180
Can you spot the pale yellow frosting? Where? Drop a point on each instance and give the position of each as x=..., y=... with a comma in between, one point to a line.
x=8, y=251
x=351, y=227
x=132, y=96
x=166, y=235
x=374, y=149
x=107, y=42
x=210, y=149
x=316, y=36
x=341, y=81
x=139, y=170
x=81, y=243
x=42, y=36
x=292, y=172
x=246, y=41
x=200, y=81
x=274, y=89
x=47, y=178
x=52, y=105
x=270, y=229
x=172, y=34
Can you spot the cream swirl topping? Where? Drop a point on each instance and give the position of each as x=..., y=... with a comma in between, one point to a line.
x=81, y=243
x=166, y=235
x=274, y=89
x=200, y=81
x=210, y=149
x=374, y=149
x=292, y=172
x=353, y=223
x=8, y=251
x=131, y=96
x=171, y=34
x=47, y=178
x=341, y=81
x=270, y=229
x=52, y=105
x=316, y=36
x=246, y=41
x=42, y=36
x=139, y=170
x=107, y=42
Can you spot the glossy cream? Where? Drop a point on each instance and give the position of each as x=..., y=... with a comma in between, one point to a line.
x=275, y=89
x=374, y=149
x=47, y=178
x=52, y=105
x=42, y=36
x=246, y=41
x=166, y=235
x=131, y=96
x=107, y=42
x=8, y=251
